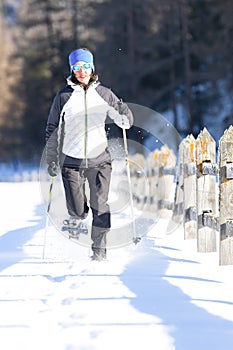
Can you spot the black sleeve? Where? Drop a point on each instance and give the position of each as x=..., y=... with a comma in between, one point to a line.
x=52, y=130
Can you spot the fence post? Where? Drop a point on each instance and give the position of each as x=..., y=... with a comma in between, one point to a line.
x=206, y=190
x=189, y=165
x=167, y=163
x=226, y=197
x=179, y=192
x=153, y=176
x=138, y=180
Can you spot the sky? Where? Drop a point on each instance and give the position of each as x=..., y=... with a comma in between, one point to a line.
x=159, y=294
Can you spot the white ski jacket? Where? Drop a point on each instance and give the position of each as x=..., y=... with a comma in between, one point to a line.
x=77, y=119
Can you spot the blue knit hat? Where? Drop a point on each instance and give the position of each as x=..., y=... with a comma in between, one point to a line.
x=81, y=55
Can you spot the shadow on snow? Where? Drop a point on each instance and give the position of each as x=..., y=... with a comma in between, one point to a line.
x=191, y=326
x=12, y=242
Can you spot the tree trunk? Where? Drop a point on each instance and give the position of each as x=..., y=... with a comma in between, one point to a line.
x=131, y=48
x=184, y=9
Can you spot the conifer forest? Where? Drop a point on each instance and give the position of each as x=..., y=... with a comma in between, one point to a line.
x=173, y=56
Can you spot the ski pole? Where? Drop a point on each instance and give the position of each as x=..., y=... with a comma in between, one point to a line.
x=136, y=238
x=47, y=212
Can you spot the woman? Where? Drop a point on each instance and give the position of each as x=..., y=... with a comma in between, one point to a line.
x=76, y=140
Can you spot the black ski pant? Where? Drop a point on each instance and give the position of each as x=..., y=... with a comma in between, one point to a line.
x=76, y=201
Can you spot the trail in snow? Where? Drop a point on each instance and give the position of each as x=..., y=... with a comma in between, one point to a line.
x=161, y=294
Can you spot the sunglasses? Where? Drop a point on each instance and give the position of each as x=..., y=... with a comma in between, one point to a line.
x=77, y=67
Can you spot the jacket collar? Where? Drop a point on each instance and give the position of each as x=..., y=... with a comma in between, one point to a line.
x=74, y=86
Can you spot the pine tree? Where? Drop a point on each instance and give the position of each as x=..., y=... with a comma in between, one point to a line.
x=10, y=104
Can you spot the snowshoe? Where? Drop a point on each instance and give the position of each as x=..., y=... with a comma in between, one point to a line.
x=74, y=228
x=71, y=222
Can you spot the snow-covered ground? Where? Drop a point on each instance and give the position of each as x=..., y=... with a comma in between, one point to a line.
x=160, y=294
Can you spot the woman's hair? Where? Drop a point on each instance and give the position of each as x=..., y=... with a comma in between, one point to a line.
x=94, y=77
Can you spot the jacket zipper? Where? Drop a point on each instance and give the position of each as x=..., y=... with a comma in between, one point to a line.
x=86, y=126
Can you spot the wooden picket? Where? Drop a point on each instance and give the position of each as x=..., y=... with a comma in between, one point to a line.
x=167, y=163
x=226, y=197
x=189, y=188
x=176, y=219
x=153, y=177
x=206, y=190
x=138, y=180
x=179, y=191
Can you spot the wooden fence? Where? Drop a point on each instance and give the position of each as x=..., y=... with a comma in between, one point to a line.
x=197, y=188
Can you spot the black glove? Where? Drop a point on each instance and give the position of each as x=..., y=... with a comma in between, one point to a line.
x=52, y=169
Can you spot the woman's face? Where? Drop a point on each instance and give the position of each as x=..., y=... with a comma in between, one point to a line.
x=82, y=71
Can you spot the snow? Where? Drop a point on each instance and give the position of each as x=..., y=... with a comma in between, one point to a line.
x=160, y=294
